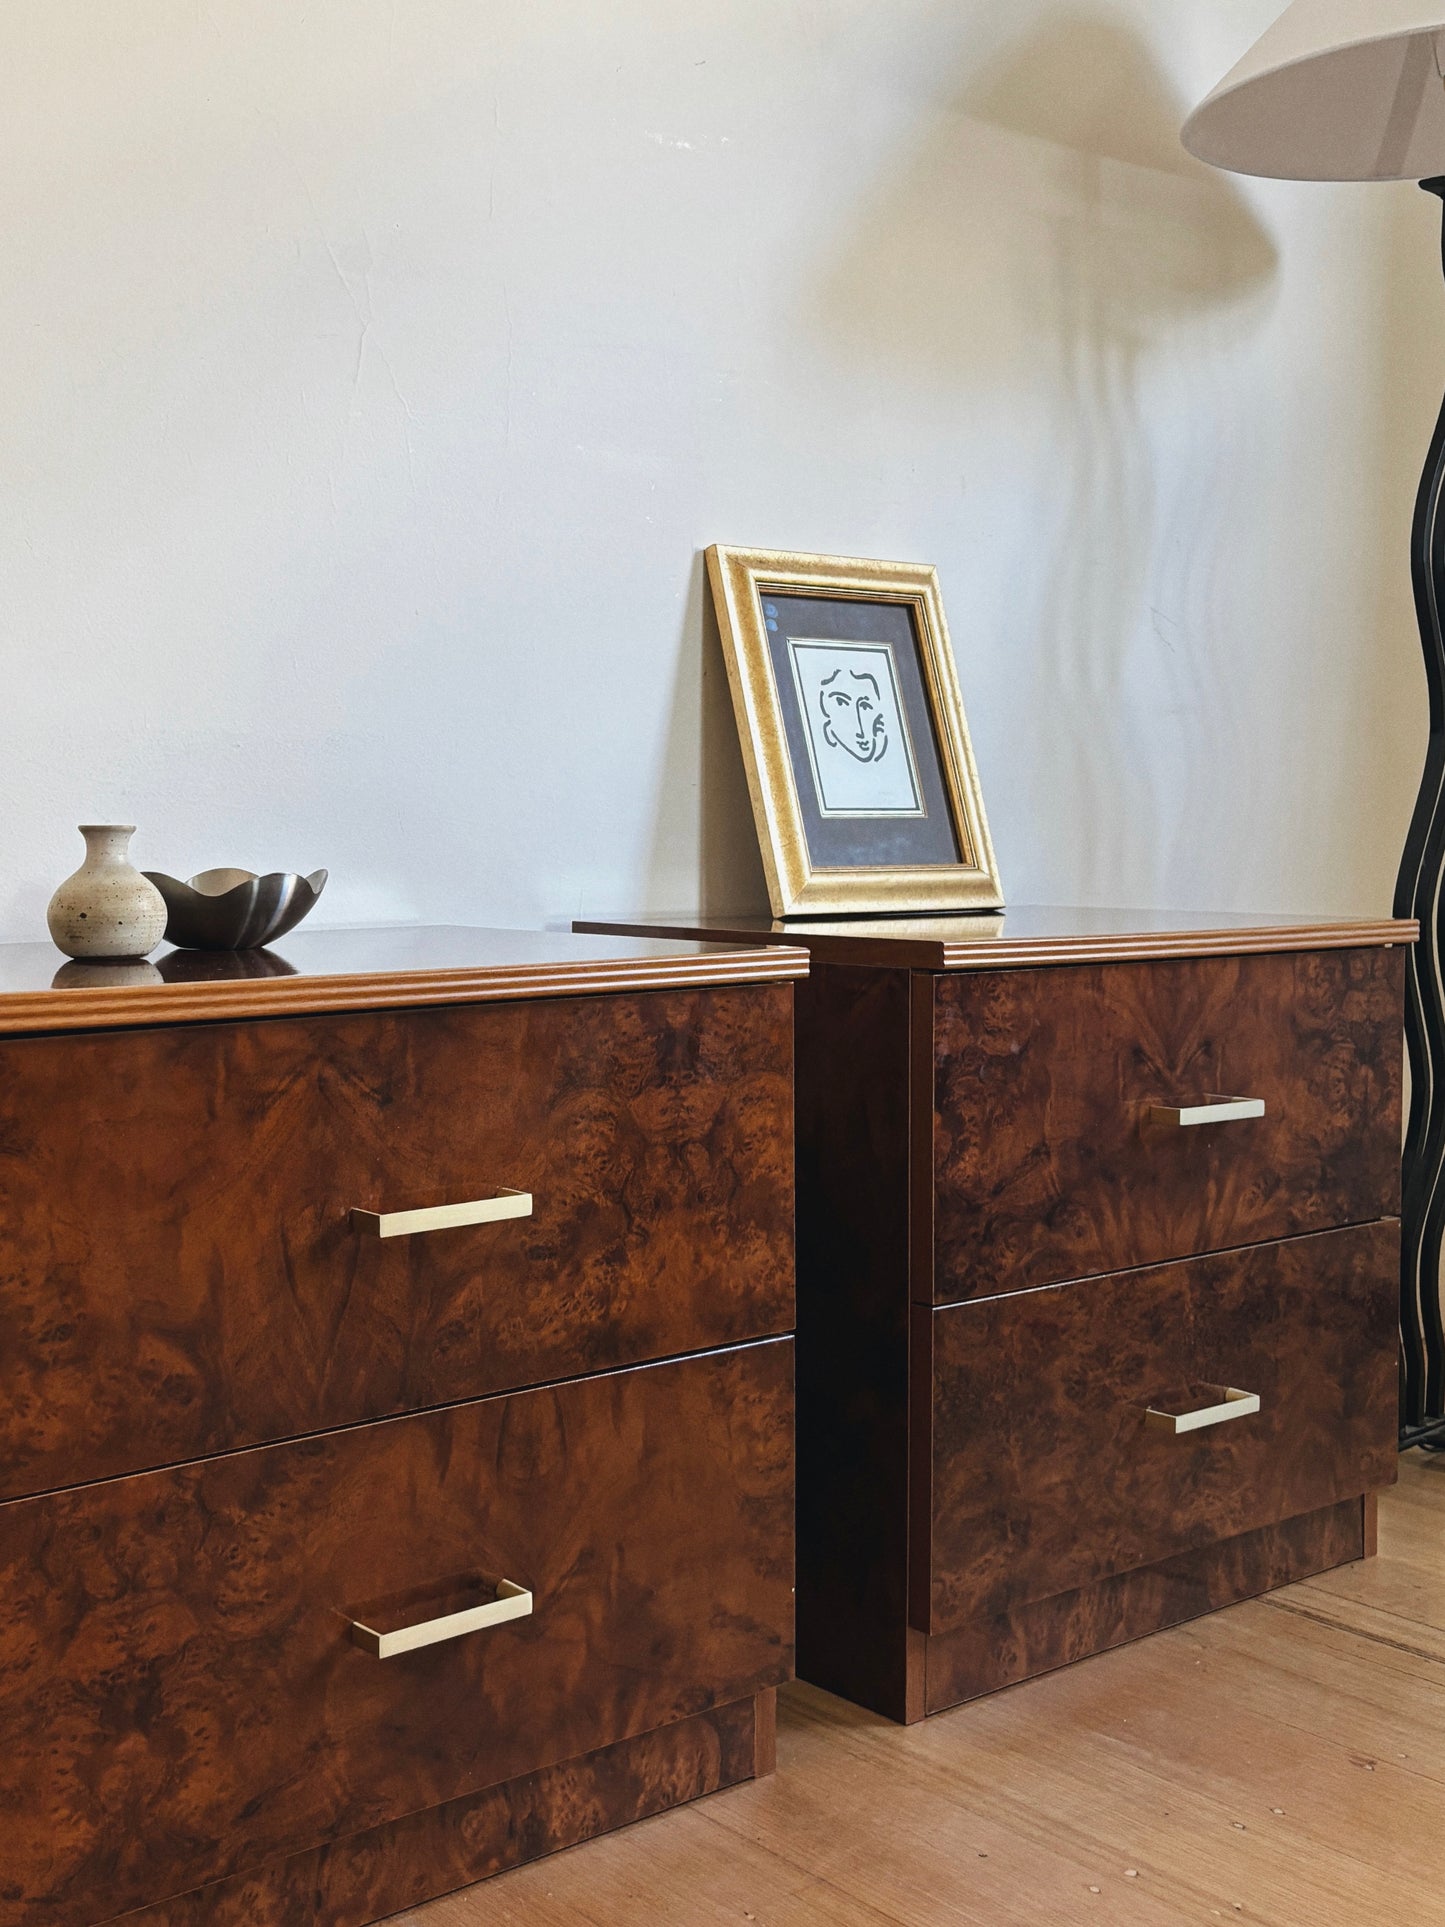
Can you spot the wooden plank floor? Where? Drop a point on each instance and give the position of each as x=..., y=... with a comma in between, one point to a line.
x=1282, y=1762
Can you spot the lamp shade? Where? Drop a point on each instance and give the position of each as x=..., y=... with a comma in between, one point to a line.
x=1337, y=90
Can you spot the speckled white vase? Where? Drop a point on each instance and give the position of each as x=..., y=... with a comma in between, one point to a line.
x=107, y=909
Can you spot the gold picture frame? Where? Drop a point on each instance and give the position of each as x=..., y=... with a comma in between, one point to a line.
x=760, y=593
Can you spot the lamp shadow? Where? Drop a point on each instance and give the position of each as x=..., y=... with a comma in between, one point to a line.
x=1044, y=239
x=1069, y=138
x=1390, y=699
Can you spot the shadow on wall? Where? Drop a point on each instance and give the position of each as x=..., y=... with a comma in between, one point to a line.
x=732, y=866
x=707, y=859
x=1391, y=706
x=1046, y=235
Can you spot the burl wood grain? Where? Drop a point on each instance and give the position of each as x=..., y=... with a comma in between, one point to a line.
x=1044, y=1167
x=355, y=1881
x=179, y=1274
x=1045, y=1477
x=1002, y=1648
x=179, y=1695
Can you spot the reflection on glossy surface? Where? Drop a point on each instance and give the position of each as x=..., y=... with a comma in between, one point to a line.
x=389, y=968
x=1032, y=923
x=222, y=966
x=1028, y=936
x=964, y=927
x=104, y=974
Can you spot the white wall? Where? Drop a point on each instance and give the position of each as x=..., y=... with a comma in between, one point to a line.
x=372, y=374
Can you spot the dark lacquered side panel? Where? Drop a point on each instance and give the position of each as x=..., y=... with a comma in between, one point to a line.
x=1047, y=1475
x=1002, y=1648
x=414, y=1859
x=853, y=1226
x=1047, y=1166
x=179, y=1274
x=180, y=1696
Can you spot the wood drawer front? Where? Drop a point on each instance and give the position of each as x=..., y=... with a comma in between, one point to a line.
x=1045, y=1475
x=179, y=1274
x=180, y=1697
x=1047, y=1167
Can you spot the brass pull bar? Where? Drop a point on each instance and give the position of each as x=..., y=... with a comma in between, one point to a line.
x=1234, y=1405
x=511, y=1602
x=1214, y=1110
x=441, y=1217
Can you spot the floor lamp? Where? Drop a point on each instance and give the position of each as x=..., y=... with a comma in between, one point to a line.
x=1354, y=90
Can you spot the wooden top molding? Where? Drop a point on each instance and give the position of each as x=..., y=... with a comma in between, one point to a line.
x=1025, y=938
x=381, y=969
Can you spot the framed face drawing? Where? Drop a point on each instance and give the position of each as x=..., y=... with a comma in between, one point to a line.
x=853, y=734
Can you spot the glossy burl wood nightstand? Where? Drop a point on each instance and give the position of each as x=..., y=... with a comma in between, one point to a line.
x=396, y=1388
x=1097, y=1278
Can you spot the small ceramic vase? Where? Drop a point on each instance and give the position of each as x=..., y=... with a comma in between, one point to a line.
x=107, y=909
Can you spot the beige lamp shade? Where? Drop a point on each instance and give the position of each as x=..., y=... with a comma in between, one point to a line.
x=1337, y=90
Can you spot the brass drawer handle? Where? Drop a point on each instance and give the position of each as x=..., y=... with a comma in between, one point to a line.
x=1235, y=1405
x=1214, y=1110
x=441, y=1217
x=511, y=1602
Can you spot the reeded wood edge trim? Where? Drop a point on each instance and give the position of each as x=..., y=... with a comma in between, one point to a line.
x=851, y=943
x=23, y=1012
x=1183, y=943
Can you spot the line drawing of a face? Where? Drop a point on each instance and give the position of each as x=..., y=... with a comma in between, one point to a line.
x=852, y=714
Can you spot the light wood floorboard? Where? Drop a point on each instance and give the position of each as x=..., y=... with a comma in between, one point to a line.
x=1282, y=1763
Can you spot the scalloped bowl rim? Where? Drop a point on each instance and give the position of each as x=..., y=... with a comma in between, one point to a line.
x=316, y=880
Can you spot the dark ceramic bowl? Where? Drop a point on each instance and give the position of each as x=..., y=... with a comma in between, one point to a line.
x=233, y=909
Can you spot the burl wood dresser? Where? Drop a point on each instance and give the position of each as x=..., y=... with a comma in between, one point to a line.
x=396, y=1389
x=1097, y=1280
